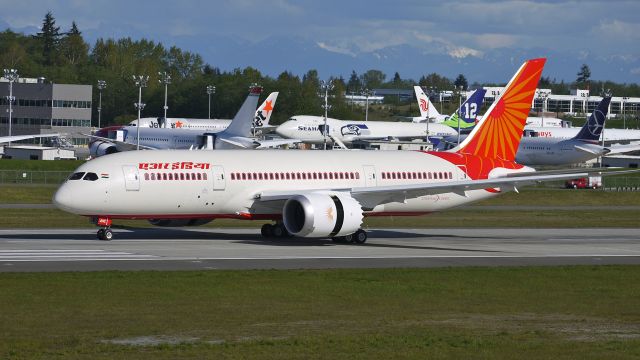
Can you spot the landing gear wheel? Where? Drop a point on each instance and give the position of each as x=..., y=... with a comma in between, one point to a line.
x=359, y=237
x=267, y=230
x=279, y=231
x=105, y=234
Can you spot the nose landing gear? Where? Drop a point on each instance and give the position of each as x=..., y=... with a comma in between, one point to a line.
x=105, y=233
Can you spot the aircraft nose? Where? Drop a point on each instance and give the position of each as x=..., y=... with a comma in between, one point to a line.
x=65, y=199
x=284, y=130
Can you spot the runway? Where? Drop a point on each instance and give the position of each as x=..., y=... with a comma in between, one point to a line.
x=209, y=248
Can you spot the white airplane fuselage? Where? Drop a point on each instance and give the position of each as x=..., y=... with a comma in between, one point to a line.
x=155, y=184
x=213, y=125
x=552, y=151
x=309, y=129
x=568, y=133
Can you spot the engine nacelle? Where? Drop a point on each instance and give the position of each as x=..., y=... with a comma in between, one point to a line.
x=322, y=215
x=179, y=222
x=100, y=148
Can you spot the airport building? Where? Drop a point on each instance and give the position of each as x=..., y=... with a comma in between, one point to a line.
x=578, y=102
x=42, y=107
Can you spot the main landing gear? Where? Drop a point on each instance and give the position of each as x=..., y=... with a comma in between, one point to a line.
x=279, y=231
x=274, y=230
x=105, y=233
x=359, y=237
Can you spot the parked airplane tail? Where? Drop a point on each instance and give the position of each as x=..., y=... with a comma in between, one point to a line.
x=467, y=115
x=594, y=125
x=241, y=125
x=499, y=132
x=427, y=110
x=263, y=114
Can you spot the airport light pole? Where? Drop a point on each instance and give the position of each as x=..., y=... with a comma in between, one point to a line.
x=543, y=97
x=605, y=93
x=101, y=86
x=210, y=91
x=166, y=80
x=366, y=93
x=326, y=87
x=141, y=81
x=624, y=117
x=12, y=76
x=459, y=90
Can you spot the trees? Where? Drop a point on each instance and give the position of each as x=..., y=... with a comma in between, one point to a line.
x=583, y=75
x=373, y=79
x=354, y=85
x=73, y=48
x=50, y=37
x=461, y=81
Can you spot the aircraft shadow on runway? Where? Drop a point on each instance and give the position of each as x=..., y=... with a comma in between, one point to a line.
x=177, y=234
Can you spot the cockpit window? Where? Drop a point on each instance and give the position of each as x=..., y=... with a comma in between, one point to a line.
x=90, y=177
x=293, y=119
x=76, y=176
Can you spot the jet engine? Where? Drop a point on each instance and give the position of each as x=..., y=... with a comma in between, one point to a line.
x=100, y=148
x=322, y=215
x=179, y=222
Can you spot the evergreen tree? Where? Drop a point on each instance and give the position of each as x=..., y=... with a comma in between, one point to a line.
x=396, y=79
x=461, y=81
x=73, y=48
x=583, y=75
x=50, y=38
x=354, y=85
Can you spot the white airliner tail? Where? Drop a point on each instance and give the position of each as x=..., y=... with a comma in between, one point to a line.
x=427, y=110
x=241, y=125
x=263, y=113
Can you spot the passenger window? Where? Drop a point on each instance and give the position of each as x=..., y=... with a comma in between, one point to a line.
x=76, y=176
x=90, y=177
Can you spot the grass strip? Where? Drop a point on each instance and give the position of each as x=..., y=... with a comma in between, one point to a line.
x=527, y=312
x=459, y=218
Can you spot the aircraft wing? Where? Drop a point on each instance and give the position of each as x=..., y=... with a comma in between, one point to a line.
x=8, y=139
x=621, y=149
x=594, y=150
x=121, y=145
x=371, y=196
x=274, y=143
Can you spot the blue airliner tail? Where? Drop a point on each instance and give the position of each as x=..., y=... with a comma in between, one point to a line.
x=467, y=114
x=594, y=125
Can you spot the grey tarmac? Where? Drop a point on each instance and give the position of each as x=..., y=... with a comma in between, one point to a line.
x=228, y=248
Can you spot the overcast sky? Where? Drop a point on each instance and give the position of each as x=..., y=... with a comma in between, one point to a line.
x=458, y=28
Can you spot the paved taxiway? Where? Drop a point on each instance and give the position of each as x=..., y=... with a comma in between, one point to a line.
x=206, y=248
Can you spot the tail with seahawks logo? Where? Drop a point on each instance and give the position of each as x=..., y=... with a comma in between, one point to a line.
x=467, y=115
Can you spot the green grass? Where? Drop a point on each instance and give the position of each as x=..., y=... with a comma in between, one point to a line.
x=466, y=217
x=40, y=165
x=508, y=313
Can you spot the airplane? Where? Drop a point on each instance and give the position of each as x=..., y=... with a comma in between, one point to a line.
x=469, y=108
x=580, y=148
x=553, y=151
x=10, y=139
x=608, y=135
x=319, y=194
x=309, y=129
x=260, y=121
x=236, y=135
